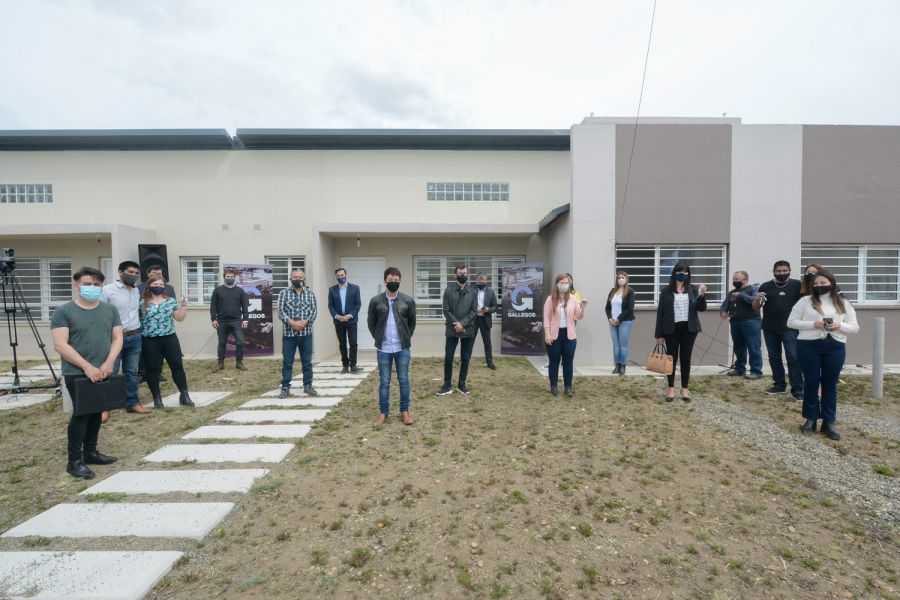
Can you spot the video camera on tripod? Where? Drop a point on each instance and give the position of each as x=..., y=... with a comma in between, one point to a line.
x=14, y=302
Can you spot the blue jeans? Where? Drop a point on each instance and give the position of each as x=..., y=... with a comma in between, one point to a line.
x=746, y=336
x=774, y=341
x=401, y=359
x=822, y=361
x=562, y=349
x=289, y=346
x=620, y=334
x=131, y=357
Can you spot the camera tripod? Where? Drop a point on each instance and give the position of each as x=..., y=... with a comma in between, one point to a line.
x=13, y=303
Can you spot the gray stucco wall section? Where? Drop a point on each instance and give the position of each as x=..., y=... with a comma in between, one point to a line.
x=851, y=184
x=680, y=186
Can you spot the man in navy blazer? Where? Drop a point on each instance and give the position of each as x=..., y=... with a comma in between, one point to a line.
x=344, y=304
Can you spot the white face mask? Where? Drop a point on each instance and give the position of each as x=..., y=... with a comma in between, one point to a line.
x=621, y=281
x=562, y=287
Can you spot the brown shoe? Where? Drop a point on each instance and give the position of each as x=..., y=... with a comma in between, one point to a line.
x=240, y=367
x=406, y=417
x=141, y=410
x=380, y=420
x=104, y=416
x=219, y=367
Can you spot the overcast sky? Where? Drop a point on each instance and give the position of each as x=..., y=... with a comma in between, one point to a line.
x=70, y=64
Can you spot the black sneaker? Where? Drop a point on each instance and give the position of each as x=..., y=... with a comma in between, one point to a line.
x=567, y=390
x=735, y=373
x=554, y=390
x=355, y=370
x=285, y=393
x=310, y=390
x=345, y=370
x=462, y=389
x=445, y=390
x=775, y=391
x=753, y=376
x=798, y=396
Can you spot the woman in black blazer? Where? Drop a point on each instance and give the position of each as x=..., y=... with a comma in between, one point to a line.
x=677, y=323
x=620, y=314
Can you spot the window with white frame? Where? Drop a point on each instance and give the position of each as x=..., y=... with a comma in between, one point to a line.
x=46, y=284
x=199, y=277
x=26, y=193
x=865, y=274
x=467, y=191
x=281, y=270
x=434, y=273
x=649, y=268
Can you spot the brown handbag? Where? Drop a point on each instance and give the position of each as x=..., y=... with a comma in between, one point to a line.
x=659, y=361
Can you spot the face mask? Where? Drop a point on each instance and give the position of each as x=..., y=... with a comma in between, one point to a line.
x=481, y=286
x=737, y=284
x=129, y=279
x=462, y=278
x=392, y=286
x=810, y=277
x=681, y=276
x=821, y=290
x=90, y=293
x=342, y=280
x=621, y=281
x=782, y=277
x=298, y=283
x=156, y=290
x=229, y=281
x=562, y=287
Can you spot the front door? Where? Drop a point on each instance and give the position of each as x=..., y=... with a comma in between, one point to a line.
x=368, y=273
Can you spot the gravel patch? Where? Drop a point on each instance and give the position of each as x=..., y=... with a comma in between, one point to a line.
x=844, y=476
x=863, y=420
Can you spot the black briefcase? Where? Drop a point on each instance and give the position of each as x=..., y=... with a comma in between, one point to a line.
x=91, y=398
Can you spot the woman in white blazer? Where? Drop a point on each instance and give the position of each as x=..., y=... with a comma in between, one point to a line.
x=823, y=319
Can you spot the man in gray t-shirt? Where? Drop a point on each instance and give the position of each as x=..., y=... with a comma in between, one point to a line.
x=87, y=334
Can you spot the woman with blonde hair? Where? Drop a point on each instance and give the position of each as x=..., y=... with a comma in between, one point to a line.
x=561, y=310
x=159, y=342
x=620, y=314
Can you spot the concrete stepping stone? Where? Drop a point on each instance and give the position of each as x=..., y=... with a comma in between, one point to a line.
x=32, y=374
x=20, y=400
x=331, y=383
x=339, y=376
x=165, y=482
x=321, y=369
x=243, y=432
x=275, y=415
x=337, y=363
x=297, y=391
x=220, y=453
x=199, y=399
x=156, y=520
x=293, y=402
x=83, y=575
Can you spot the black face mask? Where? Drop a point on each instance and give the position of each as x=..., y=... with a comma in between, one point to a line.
x=481, y=286
x=462, y=278
x=129, y=279
x=782, y=277
x=810, y=277
x=392, y=286
x=821, y=290
x=737, y=284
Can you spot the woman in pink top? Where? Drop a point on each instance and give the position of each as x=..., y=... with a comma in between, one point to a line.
x=561, y=310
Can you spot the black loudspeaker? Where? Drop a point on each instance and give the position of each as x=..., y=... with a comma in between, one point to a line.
x=153, y=254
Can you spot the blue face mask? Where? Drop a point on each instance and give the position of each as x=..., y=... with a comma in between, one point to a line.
x=681, y=276
x=156, y=290
x=90, y=293
x=342, y=280
x=229, y=281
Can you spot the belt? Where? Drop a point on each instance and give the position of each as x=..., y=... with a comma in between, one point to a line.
x=132, y=332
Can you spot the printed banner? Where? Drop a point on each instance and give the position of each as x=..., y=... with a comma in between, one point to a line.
x=522, y=331
x=257, y=282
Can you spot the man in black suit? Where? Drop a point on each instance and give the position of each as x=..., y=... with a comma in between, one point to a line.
x=344, y=303
x=486, y=307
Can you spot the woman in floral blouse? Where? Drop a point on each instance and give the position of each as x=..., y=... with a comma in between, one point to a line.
x=158, y=315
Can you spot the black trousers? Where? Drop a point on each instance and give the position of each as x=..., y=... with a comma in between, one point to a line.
x=157, y=349
x=346, y=332
x=483, y=325
x=680, y=344
x=83, y=430
x=226, y=327
x=465, y=354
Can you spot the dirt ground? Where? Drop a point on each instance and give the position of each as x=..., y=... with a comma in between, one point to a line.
x=507, y=493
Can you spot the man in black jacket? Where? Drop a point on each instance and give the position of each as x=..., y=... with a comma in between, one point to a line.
x=392, y=322
x=229, y=310
x=485, y=308
x=460, y=304
x=745, y=326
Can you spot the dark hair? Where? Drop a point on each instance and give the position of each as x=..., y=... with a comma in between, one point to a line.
x=127, y=264
x=835, y=295
x=805, y=286
x=461, y=268
x=680, y=266
x=154, y=268
x=90, y=272
x=339, y=269
x=229, y=270
x=781, y=263
x=392, y=271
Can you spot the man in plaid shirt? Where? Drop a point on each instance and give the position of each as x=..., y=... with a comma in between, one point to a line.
x=297, y=310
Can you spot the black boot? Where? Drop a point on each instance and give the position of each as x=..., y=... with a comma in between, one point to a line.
x=621, y=369
x=616, y=370
x=76, y=468
x=157, y=402
x=95, y=458
x=568, y=391
x=184, y=399
x=829, y=430
x=809, y=426
x=554, y=390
